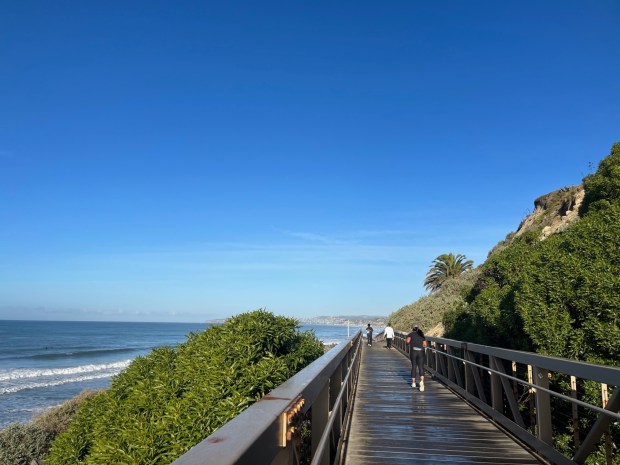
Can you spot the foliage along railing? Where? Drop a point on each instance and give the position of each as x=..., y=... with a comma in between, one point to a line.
x=300, y=421
x=539, y=399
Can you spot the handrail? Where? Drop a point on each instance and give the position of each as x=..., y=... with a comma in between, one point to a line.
x=351, y=377
x=474, y=370
x=270, y=431
x=536, y=387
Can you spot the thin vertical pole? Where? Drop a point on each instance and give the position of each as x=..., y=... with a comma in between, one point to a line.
x=605, y=399
x=530, y=379
x=469, y=375
x=514, y=383
x=573, y=394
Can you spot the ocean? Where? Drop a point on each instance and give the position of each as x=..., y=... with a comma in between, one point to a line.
x=44, y=363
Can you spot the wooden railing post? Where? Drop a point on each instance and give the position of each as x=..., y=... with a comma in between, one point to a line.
x=605, y=399
x=543, y=406
x=451, y=375
x=469, y=375
x=335, y=384
x=497, y=400
x=573, y=393
x=320, y=415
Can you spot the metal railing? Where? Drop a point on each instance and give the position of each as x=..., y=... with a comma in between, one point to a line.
x=539, y=399
x=300, y=421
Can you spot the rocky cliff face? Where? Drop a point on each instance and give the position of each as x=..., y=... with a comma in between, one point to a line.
x=553, y=212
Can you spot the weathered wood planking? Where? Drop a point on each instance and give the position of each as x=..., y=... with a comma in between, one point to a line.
x=395, y=424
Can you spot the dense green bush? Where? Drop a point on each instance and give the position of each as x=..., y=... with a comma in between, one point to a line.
x=560, y=296
x=56, y=420
x=23, y=445
x=490, y=316
x=168, y=401
x=29, y=443
x=603, y=187
x=570, y=302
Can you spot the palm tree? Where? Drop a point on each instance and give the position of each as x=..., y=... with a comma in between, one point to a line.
x=444, y=267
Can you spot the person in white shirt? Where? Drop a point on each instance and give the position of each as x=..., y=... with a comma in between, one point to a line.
x=389, y=335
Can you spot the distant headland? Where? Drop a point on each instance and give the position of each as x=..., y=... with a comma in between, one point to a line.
x=354, y=320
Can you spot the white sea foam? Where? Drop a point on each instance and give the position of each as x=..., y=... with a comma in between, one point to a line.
x=75, y=379
x=18, y=374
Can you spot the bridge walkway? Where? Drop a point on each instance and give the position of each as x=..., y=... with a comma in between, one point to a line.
x=394, y=424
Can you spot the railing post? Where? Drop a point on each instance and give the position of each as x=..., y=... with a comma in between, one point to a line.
x=496, y=387
x=346, y=364
x=469, y=375
x=320, y=415
x=597, y=429
x=530, y=379
x=451, y=375
x=335, y=384
x=573, y=393
x=543, y=406
x=515, y=391
x=605, y=399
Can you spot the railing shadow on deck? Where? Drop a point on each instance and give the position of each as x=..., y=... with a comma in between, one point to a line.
x=301, y=421
x=536, y=398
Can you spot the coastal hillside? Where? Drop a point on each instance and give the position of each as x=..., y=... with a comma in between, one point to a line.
x=553, y=213
x=558, y=293
x=552, y=286
x=428, y=311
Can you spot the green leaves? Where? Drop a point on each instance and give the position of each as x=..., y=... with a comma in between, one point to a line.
x=444, y=267
x=23, y=444
x=166, y=402
x=603, y=187
x=560, y=296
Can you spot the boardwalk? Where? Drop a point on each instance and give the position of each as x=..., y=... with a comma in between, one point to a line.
x=395, y=424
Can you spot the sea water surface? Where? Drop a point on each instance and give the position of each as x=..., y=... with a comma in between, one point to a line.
x=44, y=363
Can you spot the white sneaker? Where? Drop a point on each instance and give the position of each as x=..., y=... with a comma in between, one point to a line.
x=421, y=386
x=413, y=385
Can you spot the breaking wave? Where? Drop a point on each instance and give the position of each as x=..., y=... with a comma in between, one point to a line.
x=21, y=379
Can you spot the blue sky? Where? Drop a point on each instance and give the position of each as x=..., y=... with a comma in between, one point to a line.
x=182, y=161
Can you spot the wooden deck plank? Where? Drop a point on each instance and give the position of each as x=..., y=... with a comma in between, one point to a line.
x=395, y=424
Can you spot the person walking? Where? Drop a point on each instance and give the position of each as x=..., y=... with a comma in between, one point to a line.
x=417, y=343
x=389, y=334
x=369, y=331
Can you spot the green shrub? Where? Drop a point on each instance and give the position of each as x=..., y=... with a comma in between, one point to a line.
x=23, y=444
x=560, y=296
x=603, y=187
x=168, y=401
x=56, y=420
x=29, y=443
x=428, y=311
x=570, y=301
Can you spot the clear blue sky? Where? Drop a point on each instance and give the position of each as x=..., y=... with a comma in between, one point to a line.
x=181, y=161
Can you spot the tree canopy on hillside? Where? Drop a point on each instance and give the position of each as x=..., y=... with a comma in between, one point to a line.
x=429, y=311
x=444, y=267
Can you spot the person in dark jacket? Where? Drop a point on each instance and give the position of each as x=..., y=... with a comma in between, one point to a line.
x=417, y=344
x=369, y=331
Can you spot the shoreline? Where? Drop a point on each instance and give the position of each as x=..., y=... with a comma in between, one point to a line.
x=326, y=348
